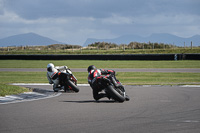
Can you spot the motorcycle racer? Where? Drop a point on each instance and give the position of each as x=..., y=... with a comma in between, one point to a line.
x=52, y=75
x=96, y=76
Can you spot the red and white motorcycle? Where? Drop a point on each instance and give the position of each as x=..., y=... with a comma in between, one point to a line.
x=67, y=81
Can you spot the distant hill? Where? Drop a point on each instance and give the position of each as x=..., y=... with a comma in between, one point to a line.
x=30, y=39
x=159, y=38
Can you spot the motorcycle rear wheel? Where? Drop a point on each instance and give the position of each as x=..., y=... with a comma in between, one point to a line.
x=114, y=94
x=73, y=86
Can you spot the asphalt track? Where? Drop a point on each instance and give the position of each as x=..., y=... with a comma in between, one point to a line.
x=191, y=70
x=152, y=109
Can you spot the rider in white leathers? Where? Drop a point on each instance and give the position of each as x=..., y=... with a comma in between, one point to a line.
x=52, y=75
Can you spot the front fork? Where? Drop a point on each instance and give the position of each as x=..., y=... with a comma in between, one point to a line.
x=73, y=79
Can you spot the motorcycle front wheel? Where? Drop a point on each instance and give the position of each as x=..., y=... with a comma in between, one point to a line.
x=72, y=86
x=115, y=94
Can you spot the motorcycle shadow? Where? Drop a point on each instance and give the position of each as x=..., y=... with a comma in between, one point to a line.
x=92, y=101
x=68, y=91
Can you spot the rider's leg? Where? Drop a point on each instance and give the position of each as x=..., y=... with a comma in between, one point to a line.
x=115, y=82
x=56, y=88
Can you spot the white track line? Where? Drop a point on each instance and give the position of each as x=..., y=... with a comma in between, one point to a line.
x=43, y=84
x=17, y=99
x=89, y=85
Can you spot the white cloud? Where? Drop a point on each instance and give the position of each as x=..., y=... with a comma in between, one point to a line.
x=69, y=22
x=169, y=19
x=183, y=25
x=71, y=30
x=117, y=19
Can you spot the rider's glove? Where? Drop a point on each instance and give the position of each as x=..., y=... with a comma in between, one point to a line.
x=105, y=79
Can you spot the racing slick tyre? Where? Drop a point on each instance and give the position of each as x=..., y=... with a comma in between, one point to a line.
x=72, y=86
x=115, y=94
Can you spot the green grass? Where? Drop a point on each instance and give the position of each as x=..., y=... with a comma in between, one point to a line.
x=34, y=77
x=150, y=78
x=99, y=64
x=23, y=77
x=127, y=78
x=10, y=89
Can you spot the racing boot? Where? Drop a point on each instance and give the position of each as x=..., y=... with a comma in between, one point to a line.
x=56, y=88
x=115, y=82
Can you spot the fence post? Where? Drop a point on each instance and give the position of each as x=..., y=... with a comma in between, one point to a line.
x=175, y=57
x=184, y=45
x=153, y=46
x=143, y=46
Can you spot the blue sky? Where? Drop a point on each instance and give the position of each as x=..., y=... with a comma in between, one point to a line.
x=73, y=21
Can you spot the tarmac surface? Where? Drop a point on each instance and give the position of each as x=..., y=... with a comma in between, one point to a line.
x=152, y=109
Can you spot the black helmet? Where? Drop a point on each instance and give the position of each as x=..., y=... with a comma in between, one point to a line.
x=91, y=68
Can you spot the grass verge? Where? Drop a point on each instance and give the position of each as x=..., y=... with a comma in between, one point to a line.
x=11, y=90
x=127, y=78
x=100, y=64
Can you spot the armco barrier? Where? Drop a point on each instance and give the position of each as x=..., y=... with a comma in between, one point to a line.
x=191, y=56
x=104, y=57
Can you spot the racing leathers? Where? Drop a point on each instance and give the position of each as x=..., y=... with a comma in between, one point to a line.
x=95, y=76
x=53, y=76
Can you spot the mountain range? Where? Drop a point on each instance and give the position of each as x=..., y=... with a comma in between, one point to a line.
x=158, y=37
x=30, y=39
x=33, y=39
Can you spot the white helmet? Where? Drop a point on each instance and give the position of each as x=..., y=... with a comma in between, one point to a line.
x=50, y=66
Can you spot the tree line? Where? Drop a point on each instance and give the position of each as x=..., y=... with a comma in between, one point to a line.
x=132, y=45
x=99, y=45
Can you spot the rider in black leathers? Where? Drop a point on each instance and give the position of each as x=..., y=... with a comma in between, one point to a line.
x=98, y=75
